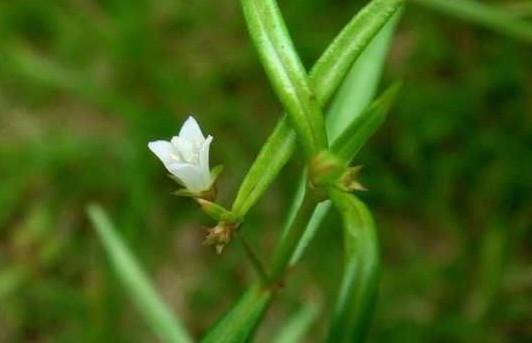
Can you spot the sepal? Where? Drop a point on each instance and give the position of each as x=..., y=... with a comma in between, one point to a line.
x=215, y=211
x=209, y=194
x=349, y=181
x=215, y=173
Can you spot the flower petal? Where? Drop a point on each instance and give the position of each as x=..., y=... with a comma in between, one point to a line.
x=204, y=158
x=164, y=151
x=191, y=131
x=189, y=175
x=186, y=149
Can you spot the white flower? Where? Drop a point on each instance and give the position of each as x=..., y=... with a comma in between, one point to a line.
x=186, y=156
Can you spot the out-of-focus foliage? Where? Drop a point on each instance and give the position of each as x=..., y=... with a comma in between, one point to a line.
x=85, y=84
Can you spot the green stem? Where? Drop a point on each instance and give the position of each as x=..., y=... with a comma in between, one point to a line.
x=288, y=245
x=255, y=261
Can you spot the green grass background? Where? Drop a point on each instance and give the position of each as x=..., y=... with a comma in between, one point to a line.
x=84, y=85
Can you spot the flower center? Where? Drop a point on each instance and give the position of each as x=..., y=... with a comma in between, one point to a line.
x=185, y=150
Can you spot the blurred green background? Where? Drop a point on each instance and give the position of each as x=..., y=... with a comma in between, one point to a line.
x=85, y=84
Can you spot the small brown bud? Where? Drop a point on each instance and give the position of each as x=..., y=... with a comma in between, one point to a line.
x=220, y=235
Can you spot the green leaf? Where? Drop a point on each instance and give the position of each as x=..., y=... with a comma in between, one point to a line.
x=494, y=18
x=355, y=93
x=286, y=72
x=274, y=154
x=287, y=245
x=360, y=85
x=358, y=290
x=151, y=306
x=356, y=134
x=241, y=320
x=335, y=63
x=281, y=144
x=310, y=231
x=296, y=326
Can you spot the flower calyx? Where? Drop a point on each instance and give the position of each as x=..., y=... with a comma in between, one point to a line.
x=327, y=170
x=216, y=212
x=220, y=235
x=324, y=170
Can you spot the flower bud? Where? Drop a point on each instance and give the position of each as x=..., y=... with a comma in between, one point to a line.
x=325, y=169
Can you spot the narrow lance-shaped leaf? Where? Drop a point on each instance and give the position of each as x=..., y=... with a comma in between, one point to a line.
x=494, y=18
x=364, y=126
x=237, y=324
x=294, y=329
x=281, y=143
x=274, y=154
x=355, y=302
x=360, y=85
x=354, y=95
x=334, y=64
x=312, y=227
x=151, y=306
x=286, y=72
